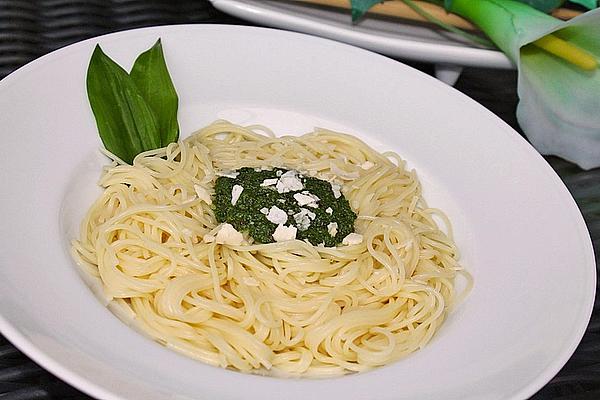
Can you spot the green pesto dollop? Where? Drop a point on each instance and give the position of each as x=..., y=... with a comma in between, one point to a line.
x=310, y=204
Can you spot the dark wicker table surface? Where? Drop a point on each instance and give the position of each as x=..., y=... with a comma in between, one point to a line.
x=30, y=29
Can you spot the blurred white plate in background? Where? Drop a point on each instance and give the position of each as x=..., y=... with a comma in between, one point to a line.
x=392, y=37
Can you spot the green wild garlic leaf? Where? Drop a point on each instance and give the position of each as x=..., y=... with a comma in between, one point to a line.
x=126, y=123
x=151, y=76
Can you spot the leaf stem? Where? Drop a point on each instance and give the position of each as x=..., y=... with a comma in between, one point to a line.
x=567, y=51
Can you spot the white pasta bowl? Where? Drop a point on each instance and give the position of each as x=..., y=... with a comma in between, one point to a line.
x=519, y=231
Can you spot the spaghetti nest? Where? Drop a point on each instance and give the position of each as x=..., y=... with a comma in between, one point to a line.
x=288, y=307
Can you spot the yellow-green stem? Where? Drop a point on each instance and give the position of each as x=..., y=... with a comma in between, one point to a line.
x=567, y=51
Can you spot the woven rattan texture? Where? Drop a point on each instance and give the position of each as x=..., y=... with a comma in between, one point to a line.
x=29, y=29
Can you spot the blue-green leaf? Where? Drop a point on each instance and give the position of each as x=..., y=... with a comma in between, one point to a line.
x=360, y=7
x=151, y=76
x=589, y=4
x=544, y=5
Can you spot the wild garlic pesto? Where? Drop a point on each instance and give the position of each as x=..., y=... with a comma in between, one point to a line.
x=280, y=204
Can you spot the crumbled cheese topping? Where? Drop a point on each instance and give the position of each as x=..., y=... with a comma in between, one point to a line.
x=228, y=174
x=228, y=235
x=269, y=182
x=367, y=165
x=289, y=182
x=306, y=199
x=352, y=238
x=332, y=228
x=278, y=173
x=329, y=210
x=284, y=233
x=203, y=194
x=337, y=190
x=277, y=216
x=303, y=218
x=264, y=210
x=236, y=191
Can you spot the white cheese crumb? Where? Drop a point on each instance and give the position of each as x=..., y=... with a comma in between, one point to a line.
x=284, y=233
x=303, y=218
x=306, y=199
x=278, y=173
x=352, y=238
x=203, y=194
x=269, y=182
x=289, y=182
x=332, y=228
x=248, y=280
x=264, y=210
x=208, y=238
x=228, y=235
x=337, y=190
x=228, y=174
x=277, y=216
x=367, y=165
x=236, y=191
x=329, y=210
